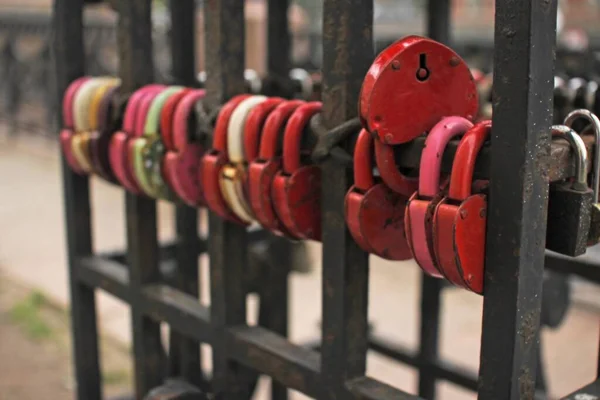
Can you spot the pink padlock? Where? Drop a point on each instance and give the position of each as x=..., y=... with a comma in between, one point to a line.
x=419, y=210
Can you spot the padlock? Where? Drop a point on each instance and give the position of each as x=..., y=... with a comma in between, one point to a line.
x=234, y=174
x=570, y=204
x=392, y=176
x=119, y=148
x=459, y=220
x=182, y=164
x=413, y=84
x=148, y=150
x=215, y=159
x=262, y=170
x=373, y=212
x=592, y=119
x=66, y=134
x=296, y=189
x=81, y=111
x=100, y=138
x=255, y=123
x=167, y=116
x=419, y=211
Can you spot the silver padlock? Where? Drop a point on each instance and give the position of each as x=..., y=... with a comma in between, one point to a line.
x=594, y=232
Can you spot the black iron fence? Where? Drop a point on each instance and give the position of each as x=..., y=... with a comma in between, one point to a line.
x=335, y=368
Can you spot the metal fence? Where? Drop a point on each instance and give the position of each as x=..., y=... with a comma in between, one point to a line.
x=515, y=257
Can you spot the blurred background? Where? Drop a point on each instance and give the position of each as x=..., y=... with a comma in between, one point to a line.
x=34, y=331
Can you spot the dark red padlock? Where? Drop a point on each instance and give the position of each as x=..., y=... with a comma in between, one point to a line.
x=296, y=190
x=374, y=213
x=182, y=166
x=215, y=159
x=413, y=84
x=262, y=171
x=66, y=134
x=419, y=212
x=459, y=220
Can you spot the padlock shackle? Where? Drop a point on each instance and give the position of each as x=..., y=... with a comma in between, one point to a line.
x=294, y=130
x=363, y=161
x=463, y=166
x=131, y=109
x=183, y=109
x=104, y=107
x=385, y=159
x=166, y=118
x=236, y=128
x=143, y=109
x=152, y=125
x=220, y=131
x=82, y=101
x=255, y=123
x=435, y=144
x=578, y=146
x=595, y=122
x=95, y=103
x=68, y=97
x=274, y=128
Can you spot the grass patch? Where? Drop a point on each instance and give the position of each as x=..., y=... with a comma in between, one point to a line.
x=27, y=314
x=115, y=377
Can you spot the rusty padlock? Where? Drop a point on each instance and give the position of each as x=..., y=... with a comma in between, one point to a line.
x=570, y=203
x=262, y=170
x=374, y=213
x=119, y=144
x=147, y=151
x=459, y=220
x=296, y=190
x=234, y=174
x=100, y=138
x=215, y=159
x=66, y=134
x=413, y=84
x=422, y=204
x=592, y=119
x=182, y=164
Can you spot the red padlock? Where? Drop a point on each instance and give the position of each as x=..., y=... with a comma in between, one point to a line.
x=66, y=134
x=166, y=118
x=262, y=170
x=413, y=84
x=215, y=159
x=100, y=138
x=391, y=175
x=459, y=220
x=420, y=208
x=182, y=166
x=374, y=213
x=255, y=121
x=296, y=190
x=118, y=148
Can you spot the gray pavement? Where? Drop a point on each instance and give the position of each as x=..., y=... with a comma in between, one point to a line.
x=32, y=250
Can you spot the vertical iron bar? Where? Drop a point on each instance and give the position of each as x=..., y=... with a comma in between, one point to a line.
x=525, y=34
x=225, y=59
x=69, y=59
x=347, y=54
x=136, y=69
x=184, y=353
x=276, y=295
x=438, y=28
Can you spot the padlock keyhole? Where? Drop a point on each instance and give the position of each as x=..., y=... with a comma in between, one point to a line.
x=423, y=72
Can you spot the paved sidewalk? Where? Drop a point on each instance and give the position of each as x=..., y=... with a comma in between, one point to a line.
x=32, y=250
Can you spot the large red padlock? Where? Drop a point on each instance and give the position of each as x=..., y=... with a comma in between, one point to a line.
x=459, y=219
x=413, y=84
x=118, y=148
x=374, y=213
x=422, y=204
x=66, y=134
x=182, y=166
x=296, y=190
x=215, y=159
x=262, y=171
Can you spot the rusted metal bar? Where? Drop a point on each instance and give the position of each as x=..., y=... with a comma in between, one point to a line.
x=516, y=224
x=134, y=36
x=69, y=64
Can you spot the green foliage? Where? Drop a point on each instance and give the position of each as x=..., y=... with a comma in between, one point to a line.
x=27, y=314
